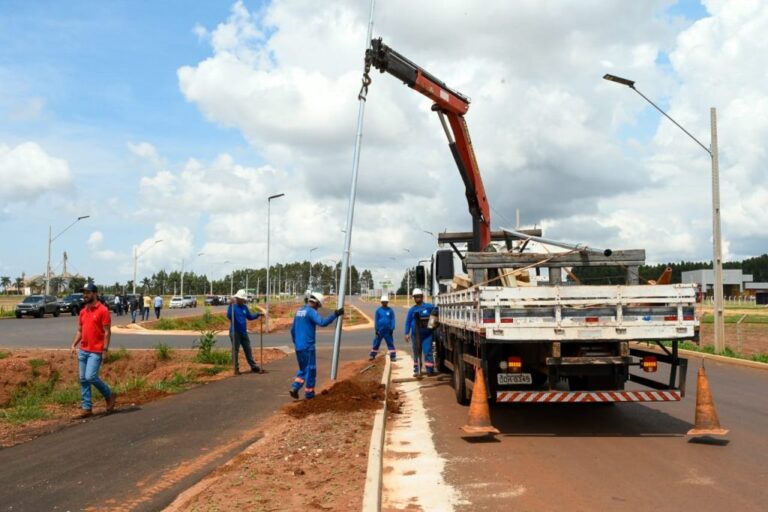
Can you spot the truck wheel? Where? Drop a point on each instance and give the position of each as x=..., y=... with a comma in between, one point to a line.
x=56, y=313
x=459, y=386
x=440, y=356
x=18, y=315
x=40, y=313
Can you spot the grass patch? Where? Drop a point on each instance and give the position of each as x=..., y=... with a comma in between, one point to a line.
x=36, y=364
x=7, y=313
x=131, y=384
x=28, y=403
x=178, y=382
x=760, y=358
x=3, y=355
x=708, y=318
x=117, y=355
x=206, y=354
x=205, y=322
x=727, y=352
x=213, y=370
x=69, y=395
x=756, y=319
x=163, y=351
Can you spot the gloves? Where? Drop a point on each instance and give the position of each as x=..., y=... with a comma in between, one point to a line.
x=339, y=311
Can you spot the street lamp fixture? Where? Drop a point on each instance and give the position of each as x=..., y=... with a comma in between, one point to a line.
x=136, y=255
x=717, y=262
x=309, y=285
x=50, y=242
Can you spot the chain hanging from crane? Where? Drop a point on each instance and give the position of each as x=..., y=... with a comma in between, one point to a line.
x=362, y=95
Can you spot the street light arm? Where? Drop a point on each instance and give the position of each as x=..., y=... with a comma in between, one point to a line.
x=705, y=148
x=66, y=228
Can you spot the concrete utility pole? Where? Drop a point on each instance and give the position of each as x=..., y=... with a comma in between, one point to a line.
x=717, y=261
x=50, y=242
x=266, y=295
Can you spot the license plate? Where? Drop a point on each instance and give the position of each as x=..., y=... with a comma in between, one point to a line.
x=514, y=378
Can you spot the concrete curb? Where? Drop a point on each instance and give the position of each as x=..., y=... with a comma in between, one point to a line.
x=374, y=475
x=713, y=357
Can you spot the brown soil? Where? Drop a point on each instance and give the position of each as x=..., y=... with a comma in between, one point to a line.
x=313, y=454
x=17, y=373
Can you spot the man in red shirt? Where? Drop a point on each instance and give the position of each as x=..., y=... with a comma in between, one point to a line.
x=94, y=332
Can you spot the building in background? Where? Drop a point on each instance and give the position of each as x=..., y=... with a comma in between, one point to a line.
x=734, y=281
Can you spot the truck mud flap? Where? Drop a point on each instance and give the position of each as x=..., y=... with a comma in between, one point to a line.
x=586, y=396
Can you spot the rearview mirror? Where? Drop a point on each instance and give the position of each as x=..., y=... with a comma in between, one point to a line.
x=421, y=276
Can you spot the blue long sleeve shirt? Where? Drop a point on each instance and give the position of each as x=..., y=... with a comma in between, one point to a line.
x=242, y=315
x=384, y=319
x=422, y=310
x=304, y=325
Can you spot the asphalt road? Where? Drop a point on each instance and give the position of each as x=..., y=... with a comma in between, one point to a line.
x=620, y=457
x=142, y=458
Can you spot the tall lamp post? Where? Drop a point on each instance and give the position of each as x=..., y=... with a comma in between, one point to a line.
x=309, y=284
x=50, y=242
x=266, y=295
x=717, y=261
x=136, y=255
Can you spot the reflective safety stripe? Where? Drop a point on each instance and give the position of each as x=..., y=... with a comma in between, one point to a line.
x=309, y=390
x=588, y=396
x=429, y=365
x=299, y=380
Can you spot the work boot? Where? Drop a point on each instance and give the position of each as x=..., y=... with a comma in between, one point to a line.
x=371, y=358
x=294, y=393
x=85, y=413
x=255, y=369
x=310, y=395
x=111, y=402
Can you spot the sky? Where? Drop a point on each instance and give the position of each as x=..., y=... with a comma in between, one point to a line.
x=175, y=120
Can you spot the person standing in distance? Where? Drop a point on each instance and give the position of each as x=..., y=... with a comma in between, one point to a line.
x=384, y=325
x=145, y=310
x=94, y=332
x=158, y=306
x=417, y=333
x=303, y=333
x=240, y=333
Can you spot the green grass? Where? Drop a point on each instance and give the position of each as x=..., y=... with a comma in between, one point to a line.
x=7, y=313
x=760, y=358
x=36, y=364
x=3, y=355
x=727, y=352
x=116, y=355
x=178, y=382
x=131, y=384
x=66, y=396
x=708, y=318
x=214, y=370
x=205, y=322
x=163, y=351
x=756, y=319
x=28, y=403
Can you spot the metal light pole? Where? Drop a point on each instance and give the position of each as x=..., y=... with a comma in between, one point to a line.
x=352, y=193
x=717, y=262
x=309, y=284
x=50, y=242
x=136, y=255
x=266, y=295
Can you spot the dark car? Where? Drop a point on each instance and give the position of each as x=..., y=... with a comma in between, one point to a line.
x=72, y=303
x=109, y=302
x=38, y=305
x=213, y=300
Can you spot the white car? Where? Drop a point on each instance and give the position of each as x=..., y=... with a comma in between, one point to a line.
x=177, y=302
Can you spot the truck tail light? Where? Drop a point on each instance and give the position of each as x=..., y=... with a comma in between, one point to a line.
x=649, y=364
x=507, y=320
x=489, y=320
x=592, y=319
x=514, y=364
x=670, y=318
x=689, y=318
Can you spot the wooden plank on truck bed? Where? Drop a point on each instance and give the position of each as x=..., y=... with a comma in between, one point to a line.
x=628, y=258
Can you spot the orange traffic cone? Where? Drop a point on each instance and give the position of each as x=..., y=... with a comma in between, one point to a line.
x=706, y=422
x=479, y=421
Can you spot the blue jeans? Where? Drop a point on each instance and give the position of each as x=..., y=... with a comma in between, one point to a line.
x=133, y=315
x=241, y=339
x=426, y=352
x=307, y=374
x=386, y=335
x=145, y=314
x=89, y=363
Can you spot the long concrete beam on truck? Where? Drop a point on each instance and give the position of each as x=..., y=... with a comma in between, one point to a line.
x=461, y=237
x=628, y=258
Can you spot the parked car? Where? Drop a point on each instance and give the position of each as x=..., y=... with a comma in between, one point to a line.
x=38, y=305
x=109, y=302
x=72, y=303
x=214, y=300
x=177, y=302
x=190, y=301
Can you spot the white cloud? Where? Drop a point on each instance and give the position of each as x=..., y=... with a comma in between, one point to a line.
x=146, y=151
x=27, y=172
x=543, y=123
x=95, y=242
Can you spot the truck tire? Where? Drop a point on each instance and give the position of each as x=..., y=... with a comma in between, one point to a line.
x=459, y=385
x=440, y=355
x=56, y=313
x=40, y=313
x=18, y=315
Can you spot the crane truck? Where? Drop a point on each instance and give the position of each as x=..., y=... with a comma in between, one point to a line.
x=539, y=341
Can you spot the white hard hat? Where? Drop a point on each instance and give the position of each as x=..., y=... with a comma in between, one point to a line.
x=241, y=295
x=417, y=291
x=316, y=297
x=385, y=298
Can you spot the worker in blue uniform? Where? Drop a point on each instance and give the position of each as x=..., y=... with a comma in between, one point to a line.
x=303, y=334
x=418, y=334
x=238, y=331
x=384, y=326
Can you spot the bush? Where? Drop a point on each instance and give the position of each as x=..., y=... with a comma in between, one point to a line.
x=117, y=355
x=163, y=351
x=760, y=358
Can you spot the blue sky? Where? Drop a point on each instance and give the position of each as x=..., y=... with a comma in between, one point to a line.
x=85, y=79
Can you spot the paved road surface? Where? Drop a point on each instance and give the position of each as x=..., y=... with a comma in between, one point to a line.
x=621, y=457
x=141, y=459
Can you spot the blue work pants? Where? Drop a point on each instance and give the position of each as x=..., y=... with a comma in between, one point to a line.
x=386, y=335
x=426, y=351
x=307, y=374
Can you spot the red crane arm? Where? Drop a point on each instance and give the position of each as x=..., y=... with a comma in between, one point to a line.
x=450, y=105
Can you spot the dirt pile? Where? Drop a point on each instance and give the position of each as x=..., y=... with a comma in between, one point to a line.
x=313, y=455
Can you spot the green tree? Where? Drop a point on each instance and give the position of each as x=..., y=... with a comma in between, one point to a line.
x=5, y=282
